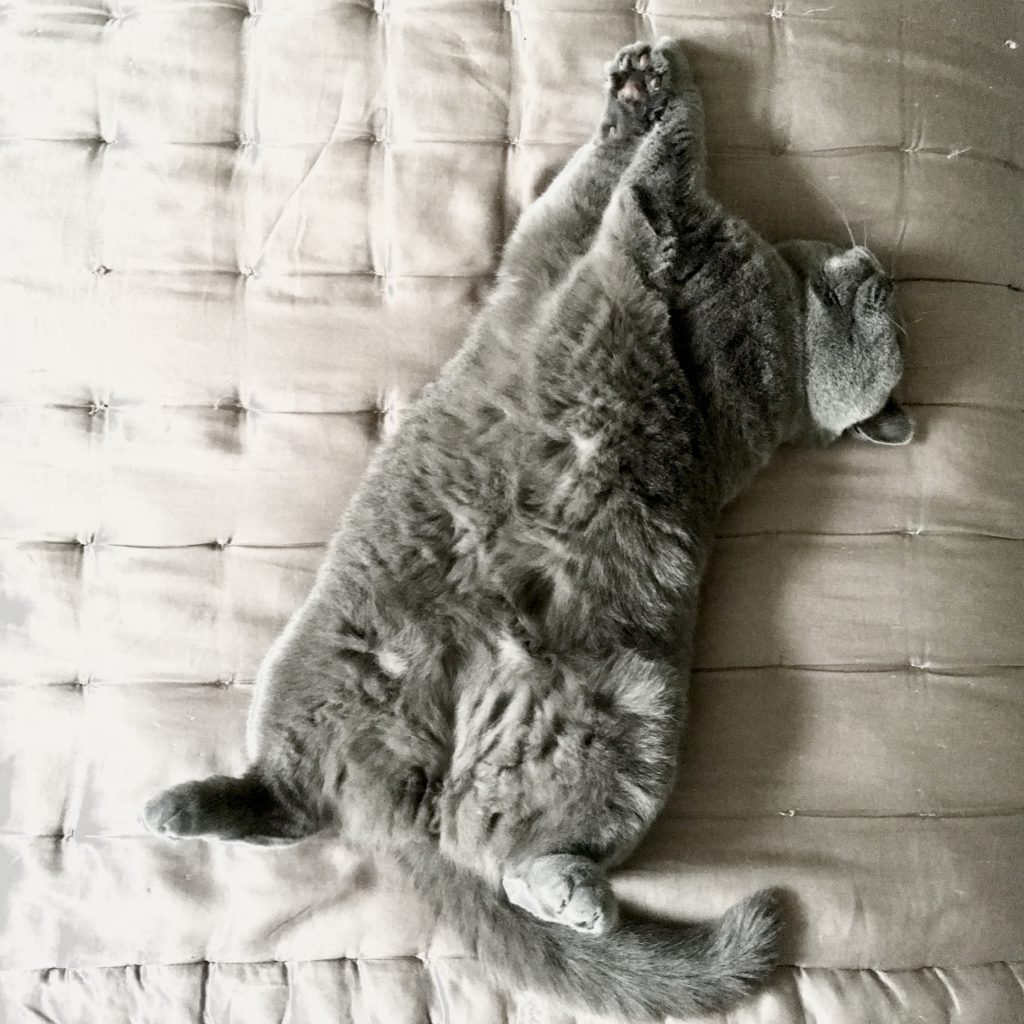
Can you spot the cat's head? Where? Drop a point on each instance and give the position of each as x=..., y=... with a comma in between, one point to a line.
x=851, y=345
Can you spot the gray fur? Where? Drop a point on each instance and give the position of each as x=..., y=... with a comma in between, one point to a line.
x=488, y=677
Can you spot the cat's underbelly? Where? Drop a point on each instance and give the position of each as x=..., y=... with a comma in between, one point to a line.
x=531, y=731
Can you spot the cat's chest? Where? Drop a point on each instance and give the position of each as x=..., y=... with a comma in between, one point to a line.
x=563, y=496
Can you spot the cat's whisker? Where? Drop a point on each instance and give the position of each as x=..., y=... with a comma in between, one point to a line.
x=839, y=209
x=899, y=327
x=895, y=257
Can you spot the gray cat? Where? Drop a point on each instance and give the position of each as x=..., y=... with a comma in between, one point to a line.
x=487, y=679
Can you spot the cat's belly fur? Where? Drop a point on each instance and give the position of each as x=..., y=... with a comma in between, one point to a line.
x=475, y=697
x=532, y=735
x=505, y=612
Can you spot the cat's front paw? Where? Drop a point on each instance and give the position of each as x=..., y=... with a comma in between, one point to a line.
x=639, y=87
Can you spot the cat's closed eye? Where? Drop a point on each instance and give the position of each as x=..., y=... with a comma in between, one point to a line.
x=825, y=290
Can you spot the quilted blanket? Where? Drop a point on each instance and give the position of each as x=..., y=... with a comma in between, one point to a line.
x=239, y=235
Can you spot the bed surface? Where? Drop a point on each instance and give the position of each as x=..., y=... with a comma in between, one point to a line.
x=236, y=242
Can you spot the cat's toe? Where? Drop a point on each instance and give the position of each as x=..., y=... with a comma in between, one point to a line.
x=566, y=890
x=639, y=79
x=592, y=909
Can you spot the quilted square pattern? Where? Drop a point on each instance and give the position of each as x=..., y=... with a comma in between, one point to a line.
x=172, y=75
x=282, y=190
x=315, y=75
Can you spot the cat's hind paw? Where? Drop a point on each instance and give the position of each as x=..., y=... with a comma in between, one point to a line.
x=222, y=807
x=179, y=812
x=566, y=890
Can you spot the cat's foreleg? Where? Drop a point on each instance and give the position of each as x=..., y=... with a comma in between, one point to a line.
x=671, y=160
x=659, y=210
x=561, y=224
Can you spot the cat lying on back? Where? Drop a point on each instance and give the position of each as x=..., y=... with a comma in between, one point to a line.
x=488, y=677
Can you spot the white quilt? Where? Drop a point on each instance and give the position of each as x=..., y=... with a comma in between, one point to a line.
x=236, y=239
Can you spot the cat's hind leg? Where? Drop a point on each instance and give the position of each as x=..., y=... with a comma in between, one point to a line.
x=565, y=889
x=227, y=808
x=558, y=772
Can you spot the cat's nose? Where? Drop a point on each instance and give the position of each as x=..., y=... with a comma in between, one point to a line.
x=871, y=260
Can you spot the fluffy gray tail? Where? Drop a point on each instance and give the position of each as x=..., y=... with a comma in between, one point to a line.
x=638, y=972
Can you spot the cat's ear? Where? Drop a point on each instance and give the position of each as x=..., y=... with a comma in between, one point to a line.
x=892, y=425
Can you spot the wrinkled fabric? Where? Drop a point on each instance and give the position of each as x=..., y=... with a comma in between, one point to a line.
x=238, y=238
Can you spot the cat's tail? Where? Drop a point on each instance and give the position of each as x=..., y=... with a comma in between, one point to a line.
x=639, y=971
